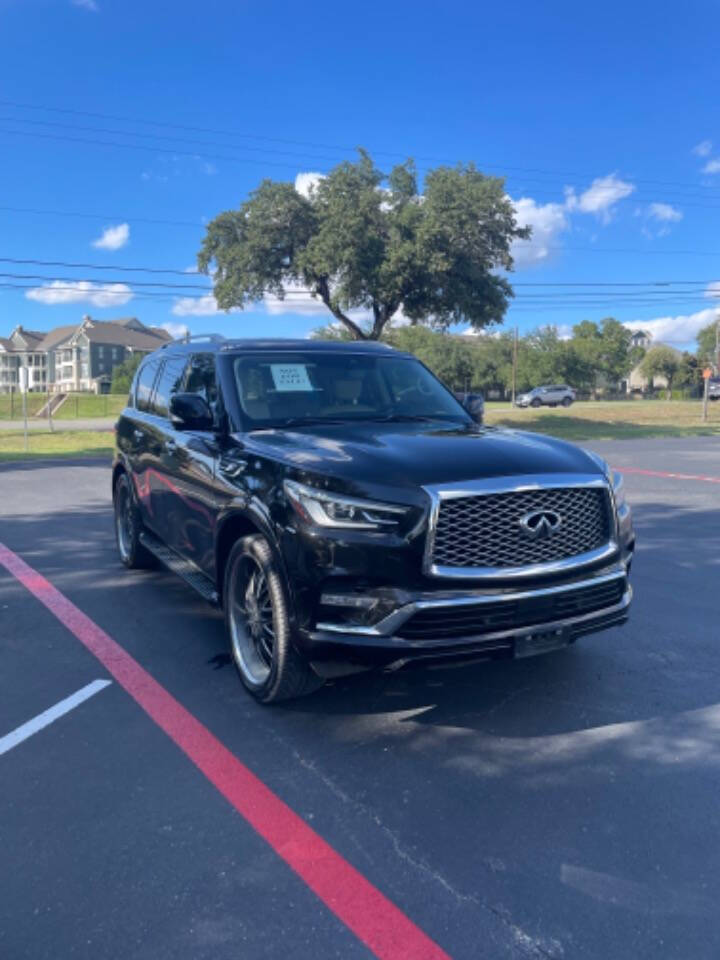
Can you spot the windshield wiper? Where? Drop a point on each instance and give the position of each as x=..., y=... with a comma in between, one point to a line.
x=413, y=417
x=298, y=422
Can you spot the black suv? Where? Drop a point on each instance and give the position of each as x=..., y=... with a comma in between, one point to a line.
x=346, y=511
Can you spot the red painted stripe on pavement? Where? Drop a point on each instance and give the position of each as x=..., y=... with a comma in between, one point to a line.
x=670, y=476
x=374, y=919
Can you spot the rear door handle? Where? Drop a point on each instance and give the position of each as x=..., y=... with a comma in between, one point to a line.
x=138, y=435
x=170, y=446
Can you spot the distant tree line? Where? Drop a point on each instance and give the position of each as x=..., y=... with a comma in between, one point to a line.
x=595, y=359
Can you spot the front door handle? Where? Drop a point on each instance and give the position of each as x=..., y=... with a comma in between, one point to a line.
x=137, y=435
x=170, y=446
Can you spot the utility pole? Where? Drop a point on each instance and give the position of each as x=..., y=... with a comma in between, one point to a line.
x=514, y=365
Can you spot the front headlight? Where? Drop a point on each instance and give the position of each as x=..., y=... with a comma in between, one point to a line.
x=615, y=478
x=333, y=510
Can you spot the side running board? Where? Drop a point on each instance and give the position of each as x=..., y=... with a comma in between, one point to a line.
x=178, y=565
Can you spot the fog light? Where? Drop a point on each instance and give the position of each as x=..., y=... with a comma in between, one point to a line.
x=347, y=600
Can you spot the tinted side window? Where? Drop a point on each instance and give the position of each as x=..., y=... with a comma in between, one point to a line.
x=146, y=379
x=201, y=378
x=169, y=382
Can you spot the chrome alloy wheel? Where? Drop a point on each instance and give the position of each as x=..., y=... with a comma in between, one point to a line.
x=124, y=521
x=252, y=631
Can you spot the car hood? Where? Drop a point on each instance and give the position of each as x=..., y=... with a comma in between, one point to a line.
x=414, y=455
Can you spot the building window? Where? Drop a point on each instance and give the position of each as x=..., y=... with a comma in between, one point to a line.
x=101, y=351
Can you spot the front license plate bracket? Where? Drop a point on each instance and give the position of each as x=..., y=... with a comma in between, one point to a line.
x=543, y=641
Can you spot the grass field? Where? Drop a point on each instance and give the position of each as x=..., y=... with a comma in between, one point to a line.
x=620, y=420
x=77, y=406
x=65, y=443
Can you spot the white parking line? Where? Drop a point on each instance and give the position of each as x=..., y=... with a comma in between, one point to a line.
x=21, y=733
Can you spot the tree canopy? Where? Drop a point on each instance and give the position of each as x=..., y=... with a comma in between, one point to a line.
x=706, y=342
x=124, y=372
x=661, y=361
x=485, y=361
x=361, y=239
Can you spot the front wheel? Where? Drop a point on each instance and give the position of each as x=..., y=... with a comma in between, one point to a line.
x=536, y=402
x=128, y=526
x=258, y=625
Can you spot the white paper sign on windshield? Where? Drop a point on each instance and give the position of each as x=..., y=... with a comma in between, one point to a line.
x=290, y=377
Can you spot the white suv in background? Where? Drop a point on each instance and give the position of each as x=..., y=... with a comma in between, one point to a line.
x=552, y=396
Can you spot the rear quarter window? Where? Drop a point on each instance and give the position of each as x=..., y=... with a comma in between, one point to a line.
x=145, y=382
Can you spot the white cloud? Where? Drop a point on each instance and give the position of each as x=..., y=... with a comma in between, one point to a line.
x=297, y=302
x=713, y=290
x=176, y=330
x=680, y=330
x=548, y=221
x=703, y=148
x=304, y=182
x=712, y=166
x=600, y=197
x=664, y=213
x=113, y=238
x=81, y=291
x=196, y=306
x=86, y=5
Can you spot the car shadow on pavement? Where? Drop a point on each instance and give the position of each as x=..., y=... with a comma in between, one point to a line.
x=652, y=684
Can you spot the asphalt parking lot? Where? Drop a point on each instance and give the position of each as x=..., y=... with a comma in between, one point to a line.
x=563, y=806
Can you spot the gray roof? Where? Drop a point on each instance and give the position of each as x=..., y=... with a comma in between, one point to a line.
x=56, y=336
x=118, y=335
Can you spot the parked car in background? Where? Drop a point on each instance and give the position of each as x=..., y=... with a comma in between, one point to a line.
x=551, y=396
x=474, y=403
x=714, y=388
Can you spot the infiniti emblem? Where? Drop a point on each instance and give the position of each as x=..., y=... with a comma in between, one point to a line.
x=540, y=524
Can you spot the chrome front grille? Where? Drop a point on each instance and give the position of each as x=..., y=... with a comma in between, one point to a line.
x=483, y=531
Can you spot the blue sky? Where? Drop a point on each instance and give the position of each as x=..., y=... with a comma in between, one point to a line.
x=603, y=119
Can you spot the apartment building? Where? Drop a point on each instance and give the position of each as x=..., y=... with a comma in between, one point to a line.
x=75, y=358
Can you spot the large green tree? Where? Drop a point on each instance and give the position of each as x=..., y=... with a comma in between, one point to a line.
x=706, y=341
x=606, y=350
x=661, y=361
x=361, y=239
x=124, y=372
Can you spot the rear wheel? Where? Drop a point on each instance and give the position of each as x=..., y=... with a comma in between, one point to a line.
x=258, y=624
x=567, y=401
x=128, y=526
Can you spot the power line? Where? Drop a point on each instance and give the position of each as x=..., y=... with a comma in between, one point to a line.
x=147, y=149
x=95, y=266
x=109, y=282
x=697, y=191
x=315, y=145
x=255, y=162
x=187, y=273
x=103, y=216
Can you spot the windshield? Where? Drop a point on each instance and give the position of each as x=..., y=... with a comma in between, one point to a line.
x=283, y=389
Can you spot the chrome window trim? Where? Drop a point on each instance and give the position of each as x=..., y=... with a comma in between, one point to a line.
x=393, y=621
x=516, y=484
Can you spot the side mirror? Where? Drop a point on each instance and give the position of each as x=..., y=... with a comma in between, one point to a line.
x=190, y=411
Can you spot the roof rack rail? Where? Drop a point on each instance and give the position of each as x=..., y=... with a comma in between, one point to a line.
x=213, y=337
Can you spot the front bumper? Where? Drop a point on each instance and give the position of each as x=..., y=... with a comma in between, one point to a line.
x=509, y=623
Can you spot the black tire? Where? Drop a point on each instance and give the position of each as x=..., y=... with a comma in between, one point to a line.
x=567, y=401
x=258, y=625
x=128, y=526
x=535, y=402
